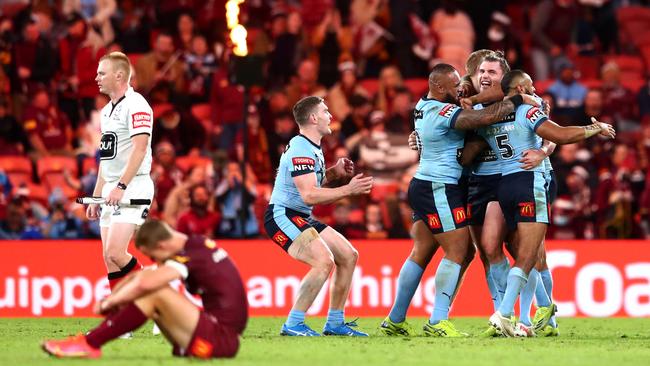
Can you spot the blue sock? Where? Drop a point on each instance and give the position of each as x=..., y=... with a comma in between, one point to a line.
x=526, y=297
x=295, y=317
x=492, y=287
x=335, y=318
x=516, y=281
x=499, y=273
x=541, y=296
x=446, y=280
x=407, y=282
x=547, y=279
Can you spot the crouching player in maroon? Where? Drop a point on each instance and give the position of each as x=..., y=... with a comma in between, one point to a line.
x=205, y=269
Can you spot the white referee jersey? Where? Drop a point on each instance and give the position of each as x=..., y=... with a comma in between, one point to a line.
x=131, y=116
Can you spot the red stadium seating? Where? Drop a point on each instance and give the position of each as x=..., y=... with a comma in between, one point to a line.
x=418, y=86
x=381, y=191
x=51, y=173
x=17, y=168
x=589, y=66
x=89, y=163
x=186, y=163
x=133, y=57
x=370, y=85
x=542, y=85
x=631, y=66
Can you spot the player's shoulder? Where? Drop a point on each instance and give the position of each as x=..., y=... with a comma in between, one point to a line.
x=435, y=107
x=299, y=143
x=135, y=99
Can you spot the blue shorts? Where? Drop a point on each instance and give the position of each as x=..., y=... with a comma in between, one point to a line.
x=551, y=179
x=283, y=225
x=523, y=197
x=441, y=206
x=482, y=190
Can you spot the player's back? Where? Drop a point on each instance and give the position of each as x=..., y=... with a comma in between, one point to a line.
x=440, y=142
x=301, y=156
x=212, y=275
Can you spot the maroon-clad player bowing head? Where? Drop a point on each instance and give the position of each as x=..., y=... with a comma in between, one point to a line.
x=205, y=269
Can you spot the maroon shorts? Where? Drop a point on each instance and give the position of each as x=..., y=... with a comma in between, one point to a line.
x=211, y=339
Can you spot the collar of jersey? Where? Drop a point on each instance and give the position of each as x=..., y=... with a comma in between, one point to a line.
x=310, y=141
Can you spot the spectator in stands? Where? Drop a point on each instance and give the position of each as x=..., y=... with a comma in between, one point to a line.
x=227, y=101
x=200, y=65
x=390, y=80
x=13, y=140
x=340, y=95
x=619, y=102
x=342, y=223
x=185, y=32
x=643, y=99
x=132, y=27
x=13, y=226
x=357, y=120
x=401, y=119
x=285, y=55
x=98, y=14
x=61, y=224
x=551, y=29
x=258, y=146
x=47, y=127
x=79, y=53
x=613, y=199
x=181, y=129
x=566, y=159
x=200, y=219
x=305, y=83
x=332, y=40
x=374, y=222
x=284, y=130
x=235, y=198
x=455, y=34
x=163, y=65
x=569, y=94
x=178, y=199
x=593, y=107
x=34, y=60
x=501, y=36
x=572, y=213
x=165, y=173
x=7, y=41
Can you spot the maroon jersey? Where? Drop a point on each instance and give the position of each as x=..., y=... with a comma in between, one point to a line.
x=208, y=272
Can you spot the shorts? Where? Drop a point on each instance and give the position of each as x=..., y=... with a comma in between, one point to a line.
x=441, y=206
x=210, y=340
x=551, y=179
x=141, y=187
x=283, y=225
x=482, y=190
x=523, y=197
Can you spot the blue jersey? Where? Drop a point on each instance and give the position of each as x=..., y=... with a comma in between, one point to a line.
x=487, y=162
x=514, y=136
x=440, y=142
x=301, y=156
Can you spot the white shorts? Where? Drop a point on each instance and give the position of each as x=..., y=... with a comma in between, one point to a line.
x=141, y=187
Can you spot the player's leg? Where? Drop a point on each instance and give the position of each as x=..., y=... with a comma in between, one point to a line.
x=116, y=252
x=345, y=259
x=492, y=236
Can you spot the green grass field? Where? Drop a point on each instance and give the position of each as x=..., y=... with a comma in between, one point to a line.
x=582, y=342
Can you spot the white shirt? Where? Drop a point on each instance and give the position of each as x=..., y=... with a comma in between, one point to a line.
x=131, y=116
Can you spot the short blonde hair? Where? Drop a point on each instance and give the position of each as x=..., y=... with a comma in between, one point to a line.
x=120, y=62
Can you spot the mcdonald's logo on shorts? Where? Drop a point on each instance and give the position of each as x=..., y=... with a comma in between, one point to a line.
x=459, y=214
x=201, y=348
x=433, y=220
x=299, y=221
x=527, y=209
x=280, y=238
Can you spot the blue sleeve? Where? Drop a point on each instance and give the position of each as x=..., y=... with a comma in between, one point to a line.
x=534, y=118
x=300, y=159
x=449, y=113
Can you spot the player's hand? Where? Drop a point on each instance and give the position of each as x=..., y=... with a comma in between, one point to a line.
x=344, y=168
x=546, y=108
x=413, y=141
x=92, y=212
x=606, y=129
x=466, y=103
x=360, y=185
x=114, y=197
x=532, y=158
x=530, y=100
x=101, y=307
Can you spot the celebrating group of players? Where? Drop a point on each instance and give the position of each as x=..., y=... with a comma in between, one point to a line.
x=484, y=179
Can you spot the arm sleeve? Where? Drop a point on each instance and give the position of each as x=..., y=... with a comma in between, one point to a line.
x=140, y=117
x=180, y=267
x=534, y=118
x=449, y=112
x=301, y=160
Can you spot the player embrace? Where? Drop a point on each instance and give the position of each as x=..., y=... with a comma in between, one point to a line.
x=299, y=185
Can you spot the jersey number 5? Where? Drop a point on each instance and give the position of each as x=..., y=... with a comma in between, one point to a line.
x=504, y=147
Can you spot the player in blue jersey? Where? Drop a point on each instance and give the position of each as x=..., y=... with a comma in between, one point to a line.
x=299, y=185
x=437, y=200
x=523, y=195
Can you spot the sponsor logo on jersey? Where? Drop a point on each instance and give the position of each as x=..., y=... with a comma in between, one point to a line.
x=459, y=214
x=201, y=348
x=448, y=110
x=418, y=114
x=433, y=220
x=527, y=209
x=141, y=119
x=210, y=244
x=181, y=259
x=299, y=221
x=108, y=146
x=301, y=164
x=280, y=238
x=534, y=114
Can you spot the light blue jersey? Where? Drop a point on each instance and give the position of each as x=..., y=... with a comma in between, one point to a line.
x=440, y=142
x=514, y=136
x=487, y=162
x=301, y=156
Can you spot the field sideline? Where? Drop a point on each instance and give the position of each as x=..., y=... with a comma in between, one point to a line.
x=620, y=341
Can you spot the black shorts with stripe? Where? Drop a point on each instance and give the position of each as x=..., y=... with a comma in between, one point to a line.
x=283, y=225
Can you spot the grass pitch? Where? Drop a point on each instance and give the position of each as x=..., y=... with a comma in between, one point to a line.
x=582, y=342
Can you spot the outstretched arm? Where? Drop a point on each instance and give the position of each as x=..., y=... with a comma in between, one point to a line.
x=550, y=130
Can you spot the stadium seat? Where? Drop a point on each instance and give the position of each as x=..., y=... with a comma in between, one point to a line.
x=37, y=192
x=418, y=86
x=17, y=168
x=589, y=66
x=56, y=164
x=134, y=57
x=88, y=164
x=591, y=83
x=631, y=66
x=543, y=85
x=634, y=84
x=370, y=85
x=186, y=163
x=381, y=191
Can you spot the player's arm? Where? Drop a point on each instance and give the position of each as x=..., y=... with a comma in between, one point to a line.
x=344, y=168
x=533, y=157
x=549, y=130
x=141, y=284
x=140, y=144
x=492, y=94
x=313, y=195
x=473, y=119
x=473, y=147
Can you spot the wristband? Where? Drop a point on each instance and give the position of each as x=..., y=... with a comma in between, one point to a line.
x=517, y=100
x=121, y=186
x=591, y=130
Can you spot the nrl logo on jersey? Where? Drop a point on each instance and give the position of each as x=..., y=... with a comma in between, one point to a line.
x=418, y=114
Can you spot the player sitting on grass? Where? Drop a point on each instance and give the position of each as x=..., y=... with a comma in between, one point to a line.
x=206, y=270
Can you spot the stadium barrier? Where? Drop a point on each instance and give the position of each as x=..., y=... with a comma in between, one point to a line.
x=592, y=279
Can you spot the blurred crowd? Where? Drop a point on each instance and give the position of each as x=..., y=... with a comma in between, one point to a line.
x=368, y=58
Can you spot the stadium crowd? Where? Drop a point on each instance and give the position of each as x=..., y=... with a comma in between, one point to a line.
x=369, y=59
